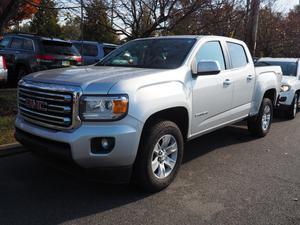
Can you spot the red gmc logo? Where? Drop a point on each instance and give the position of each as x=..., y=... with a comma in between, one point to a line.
x=36, y=104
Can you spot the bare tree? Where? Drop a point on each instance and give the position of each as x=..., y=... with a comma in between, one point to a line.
x=142, y=18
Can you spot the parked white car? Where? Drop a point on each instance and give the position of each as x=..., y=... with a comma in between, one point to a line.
x=290, y=88
x=3, y=70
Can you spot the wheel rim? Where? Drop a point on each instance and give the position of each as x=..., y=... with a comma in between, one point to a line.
x=266, y=118
x=295, y=105
x=164, y=156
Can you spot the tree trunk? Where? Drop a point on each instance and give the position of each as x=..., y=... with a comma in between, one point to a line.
x=253, y=26
x=10, y=9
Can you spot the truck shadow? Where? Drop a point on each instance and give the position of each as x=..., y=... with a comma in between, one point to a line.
x=227, y=136
x=32, y=193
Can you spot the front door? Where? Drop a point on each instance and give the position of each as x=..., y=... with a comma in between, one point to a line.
x=212, y=94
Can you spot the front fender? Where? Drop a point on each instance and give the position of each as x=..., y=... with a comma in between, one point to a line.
x=153, y=98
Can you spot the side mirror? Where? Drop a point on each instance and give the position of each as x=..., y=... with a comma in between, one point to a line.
x=207, y=68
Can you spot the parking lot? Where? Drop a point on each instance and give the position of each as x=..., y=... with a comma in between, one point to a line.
x=227, y=177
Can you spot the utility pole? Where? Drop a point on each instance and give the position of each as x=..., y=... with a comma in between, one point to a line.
x=253, y=26
x=81, y=29
x=112, y=12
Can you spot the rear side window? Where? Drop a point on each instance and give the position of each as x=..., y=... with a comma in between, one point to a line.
x=27, y=44
x=16, y=43
x=237, y=54
x=59, y=48
x=88, y=49
x=4, y=42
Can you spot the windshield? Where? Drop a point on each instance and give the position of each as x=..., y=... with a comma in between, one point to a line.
x=167, y=53
x=288, y=68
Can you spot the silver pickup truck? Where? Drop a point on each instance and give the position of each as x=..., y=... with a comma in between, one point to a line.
x=130, y=114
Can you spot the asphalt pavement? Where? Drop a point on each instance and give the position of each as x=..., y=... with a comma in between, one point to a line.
x=227, y=177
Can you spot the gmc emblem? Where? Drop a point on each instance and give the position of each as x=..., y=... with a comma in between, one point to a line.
x=36, y=104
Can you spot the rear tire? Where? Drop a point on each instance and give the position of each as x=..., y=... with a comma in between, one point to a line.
x=159, y=156
x=259, y=126
x=293, y=109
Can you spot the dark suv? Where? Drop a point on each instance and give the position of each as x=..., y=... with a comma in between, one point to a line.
x=26, y=53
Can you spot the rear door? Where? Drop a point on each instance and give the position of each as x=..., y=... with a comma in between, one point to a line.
x=243, y=78
x=212, y=94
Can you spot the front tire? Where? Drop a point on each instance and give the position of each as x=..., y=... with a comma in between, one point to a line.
x=293, y=109
x=259, y=126
x=159, y=156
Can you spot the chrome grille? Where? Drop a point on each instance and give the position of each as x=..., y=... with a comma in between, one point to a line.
x=49, y=105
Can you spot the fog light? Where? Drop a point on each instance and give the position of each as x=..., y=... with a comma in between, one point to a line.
x=102, y=145
x=105, y=143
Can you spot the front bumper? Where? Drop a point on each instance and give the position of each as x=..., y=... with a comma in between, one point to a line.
x=76, y=145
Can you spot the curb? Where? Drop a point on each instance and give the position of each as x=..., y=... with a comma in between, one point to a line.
x=11, y=149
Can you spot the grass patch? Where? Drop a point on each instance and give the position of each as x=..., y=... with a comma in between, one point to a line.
x=8, y=111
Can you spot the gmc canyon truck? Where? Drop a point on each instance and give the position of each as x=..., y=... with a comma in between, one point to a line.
x=130, y=114
x=289, y=99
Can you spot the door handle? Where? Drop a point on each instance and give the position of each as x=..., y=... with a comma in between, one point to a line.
x=250, y=77
x=227, y=82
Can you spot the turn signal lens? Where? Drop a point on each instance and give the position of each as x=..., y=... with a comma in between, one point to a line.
x=120, y=106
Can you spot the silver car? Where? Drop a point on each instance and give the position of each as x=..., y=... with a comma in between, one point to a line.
x=131, y=113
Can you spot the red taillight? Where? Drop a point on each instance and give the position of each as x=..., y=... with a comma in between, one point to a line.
x=77, y=59
x=4, y=63
x=45, y=57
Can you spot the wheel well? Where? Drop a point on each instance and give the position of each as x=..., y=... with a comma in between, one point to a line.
x=19, y=65
x=271, y=94
x=178, y=115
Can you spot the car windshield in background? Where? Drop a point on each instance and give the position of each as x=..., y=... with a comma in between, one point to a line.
x=288, y=68
x=59, y=48
x=167, y=53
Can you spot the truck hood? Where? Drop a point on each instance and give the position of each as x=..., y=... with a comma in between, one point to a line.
x=98, y=79
x=289, y=80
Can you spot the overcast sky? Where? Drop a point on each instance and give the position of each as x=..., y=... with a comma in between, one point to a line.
x=286, y=5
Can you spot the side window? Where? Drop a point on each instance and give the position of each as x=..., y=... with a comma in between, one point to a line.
x=237, y=54
x=16, y=43
x=90, y=50
x=4, y=42
x=107, y=50
x=212, y=51
x=27, y=45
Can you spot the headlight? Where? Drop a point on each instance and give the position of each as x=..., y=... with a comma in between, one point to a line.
x=285, y=88
x=99, y=108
